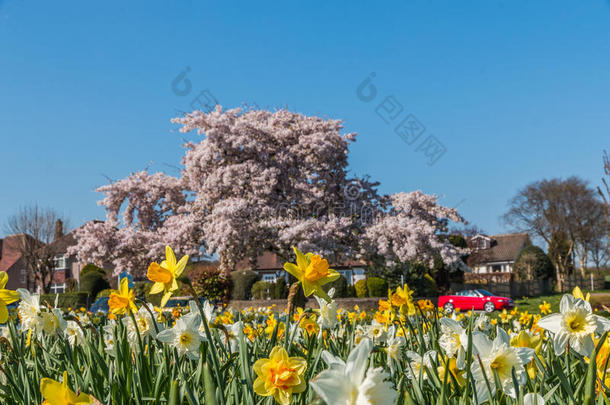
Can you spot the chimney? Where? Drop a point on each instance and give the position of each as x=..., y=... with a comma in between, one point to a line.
x=59, y=229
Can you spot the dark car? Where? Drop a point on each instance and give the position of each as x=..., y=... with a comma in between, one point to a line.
x=100, y=305
x=475, y=300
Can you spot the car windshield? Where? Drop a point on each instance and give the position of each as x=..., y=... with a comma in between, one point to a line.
x=485, y=293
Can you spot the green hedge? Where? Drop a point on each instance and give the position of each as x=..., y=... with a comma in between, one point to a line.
x=361, y=290
x=261, y=290
x=377, y=287
x=67, y=300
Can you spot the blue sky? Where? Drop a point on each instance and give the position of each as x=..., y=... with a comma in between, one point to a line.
x=514, y=91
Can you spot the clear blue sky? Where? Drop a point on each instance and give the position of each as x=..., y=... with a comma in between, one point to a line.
x=515, y=91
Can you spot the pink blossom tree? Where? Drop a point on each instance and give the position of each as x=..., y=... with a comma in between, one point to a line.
x=262, y=181
x=144, y=212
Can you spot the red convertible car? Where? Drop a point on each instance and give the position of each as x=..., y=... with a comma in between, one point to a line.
x=474, y=299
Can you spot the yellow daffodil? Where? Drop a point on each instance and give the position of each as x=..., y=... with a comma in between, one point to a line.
x=280, y=375
x=6, y=297
x=505, y=317
x=545, y=308
x=164, y=275
x=402, y=298
x=384, y=305
x=312, y=272
x=526, y=339
x=309, y=325
x=123, y=299
x=453, y=370
x=58, y=393
x=577, y=293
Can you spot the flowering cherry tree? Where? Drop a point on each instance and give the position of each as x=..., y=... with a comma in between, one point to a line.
x=262, y=181
x=409, y=230
x=144, y=213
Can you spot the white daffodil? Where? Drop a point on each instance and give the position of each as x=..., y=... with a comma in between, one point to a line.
x=184, y=336
x=394, y=344
x=346, y=383
x=74, y=333
x=328, y=311
x=482, y=323
x=29, y=309
x=233, y=334
x=418, y=364
x=377, y=332
x=574, y=325
x=501, y=358
x=453, y=340
x=109, y=338
x=533, y=399
x=145, y=323
x=208, y=310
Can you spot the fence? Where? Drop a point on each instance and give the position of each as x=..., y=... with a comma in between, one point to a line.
x=502, y=284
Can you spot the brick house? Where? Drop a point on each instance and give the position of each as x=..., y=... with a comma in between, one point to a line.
x=270, y=267
x=12, y=262
x=495, y=253
x=66, y=266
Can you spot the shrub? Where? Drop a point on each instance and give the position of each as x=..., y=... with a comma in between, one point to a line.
x=533, y=264
x=208, y=284
x=361, y=290
x=340, y=286
x=377, y=287
x=67, y=300
x=281, y=289
x=104, y=293
x=242, y=281
x=350, y=291
x=90, y=267
x=93, y=281
x=261, y=290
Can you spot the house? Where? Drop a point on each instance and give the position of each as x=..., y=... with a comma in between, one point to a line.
x=270, y=267
x=66, y=266
x=12, y=261
x=495, y=253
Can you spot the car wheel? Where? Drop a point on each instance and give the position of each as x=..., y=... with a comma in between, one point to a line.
x=448, y=307
x=489, y=306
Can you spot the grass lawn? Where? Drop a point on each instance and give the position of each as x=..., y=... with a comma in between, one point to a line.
x=531, y=305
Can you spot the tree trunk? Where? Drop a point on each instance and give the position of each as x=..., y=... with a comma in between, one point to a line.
x=225, y=266
x=582, y=261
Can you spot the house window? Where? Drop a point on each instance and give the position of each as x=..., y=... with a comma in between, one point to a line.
x=270, y=278
x=496, y=268
x=57, y=288
x=60, y=262
x=24, y=276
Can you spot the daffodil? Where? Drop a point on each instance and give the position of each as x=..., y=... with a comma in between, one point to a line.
x=313, y=272
x=280, y=376
x=348, y=382
x=402, y=298
x=501, y=359
x=574, y=325
x=184, y=336
x=577, y=293
x=6, y=297
x=418, y=364
x=454, y=370
x=453, y=340
x=527, y=339
x=123, y=299
x=545, y=308
x=58, y=393
x=165, y=275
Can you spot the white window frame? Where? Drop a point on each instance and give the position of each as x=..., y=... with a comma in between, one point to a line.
x=269, y=278
x=56, y=287
x=61, y=262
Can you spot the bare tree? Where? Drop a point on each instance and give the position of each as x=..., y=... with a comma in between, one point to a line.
x=555, y=207
x=38, y=227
